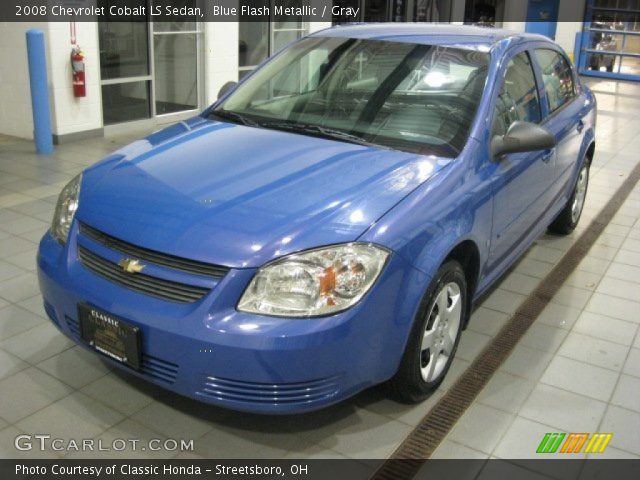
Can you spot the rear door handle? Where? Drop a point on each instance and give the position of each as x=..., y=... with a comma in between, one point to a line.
x=580, y=126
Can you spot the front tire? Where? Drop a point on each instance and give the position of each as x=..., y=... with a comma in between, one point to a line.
x=434, y=337
x=569, y=217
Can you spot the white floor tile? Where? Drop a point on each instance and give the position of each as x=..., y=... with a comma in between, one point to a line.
x=75, y=367
x=124, y=396
x=37, y=344
x=521, y=439
x=566, y=411
x=632, y=366
x=527, y=362
x=624, y=425
x=505, y=392
x=620, y=308
x=627, y=393
x=76, y=416
x=594, y=351
x=581, y=378
x=606, y=328
x=543, y=337
x=481, y=427
x=15, y=320
x=559, y=316
x=27, y=392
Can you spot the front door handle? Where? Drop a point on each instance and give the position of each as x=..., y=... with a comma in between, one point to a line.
x=580, y=126
x=547, y=156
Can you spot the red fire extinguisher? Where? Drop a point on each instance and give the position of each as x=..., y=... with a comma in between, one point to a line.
x=77, y=68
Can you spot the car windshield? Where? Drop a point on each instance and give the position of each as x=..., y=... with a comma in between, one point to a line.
x=404, y=96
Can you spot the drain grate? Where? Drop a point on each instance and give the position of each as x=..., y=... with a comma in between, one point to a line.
x=427, y=435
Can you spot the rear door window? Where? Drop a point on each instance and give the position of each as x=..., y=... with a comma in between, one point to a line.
x=557, y=77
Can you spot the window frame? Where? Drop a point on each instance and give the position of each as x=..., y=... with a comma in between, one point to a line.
x=534, y=70
x=576, y=90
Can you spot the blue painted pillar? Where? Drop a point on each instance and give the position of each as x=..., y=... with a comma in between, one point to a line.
x=39, y=91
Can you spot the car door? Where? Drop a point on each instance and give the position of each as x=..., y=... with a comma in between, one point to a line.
x=520, y=180
x=563, y=114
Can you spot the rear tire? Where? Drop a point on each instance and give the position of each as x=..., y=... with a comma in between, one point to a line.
x=569, y=217
x=434, y=337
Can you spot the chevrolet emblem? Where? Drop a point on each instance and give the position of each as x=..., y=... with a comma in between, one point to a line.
x=130, y=265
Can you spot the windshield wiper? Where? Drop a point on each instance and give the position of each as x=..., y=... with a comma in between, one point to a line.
x=319, y=130
x=234, y=117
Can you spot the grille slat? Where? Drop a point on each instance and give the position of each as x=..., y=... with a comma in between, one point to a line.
x=154, y=286
x=291, y=393
x=159, y=369
x=159, y=258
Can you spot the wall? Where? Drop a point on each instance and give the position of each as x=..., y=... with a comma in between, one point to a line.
x=15, y=97
x=68, y=114
x=220, y=57
x=71, y=114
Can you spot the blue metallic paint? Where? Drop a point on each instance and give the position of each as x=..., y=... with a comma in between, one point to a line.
x=240, y=197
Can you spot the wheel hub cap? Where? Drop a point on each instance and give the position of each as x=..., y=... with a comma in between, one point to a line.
x=441, y=331
x=580, y=195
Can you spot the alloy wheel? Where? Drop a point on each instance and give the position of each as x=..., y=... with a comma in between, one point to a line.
x=580, y=194
x=441, y=331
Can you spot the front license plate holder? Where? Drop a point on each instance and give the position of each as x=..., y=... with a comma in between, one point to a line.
x=110, y=335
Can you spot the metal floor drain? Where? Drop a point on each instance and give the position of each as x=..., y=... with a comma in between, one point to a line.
x=427, y=435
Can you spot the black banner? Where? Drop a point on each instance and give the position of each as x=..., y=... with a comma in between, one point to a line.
x=342, y=11
x=574, y=469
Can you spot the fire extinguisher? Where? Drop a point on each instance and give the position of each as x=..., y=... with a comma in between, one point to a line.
x=77, y=68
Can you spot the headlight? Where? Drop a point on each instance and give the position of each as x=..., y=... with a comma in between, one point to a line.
x=316, y=282
x=66, y=209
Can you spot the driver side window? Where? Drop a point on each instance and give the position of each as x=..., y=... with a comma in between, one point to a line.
x=518, y=98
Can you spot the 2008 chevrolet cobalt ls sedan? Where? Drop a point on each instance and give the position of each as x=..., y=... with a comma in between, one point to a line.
x=328, y=223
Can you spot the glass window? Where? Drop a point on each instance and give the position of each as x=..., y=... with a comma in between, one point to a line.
x=124, y=49
x=518, y=99
x=176, y=72
x=124, y=102
x=557, y=77
x=253, y=43
x=258, y=40
x=187, y=23
x=418, y=98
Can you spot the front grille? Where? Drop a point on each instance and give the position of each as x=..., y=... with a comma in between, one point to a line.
x=140, y=253
x=268, y=393
x=154, y=286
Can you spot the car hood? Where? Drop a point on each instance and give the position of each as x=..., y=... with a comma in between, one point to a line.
x=240, y=196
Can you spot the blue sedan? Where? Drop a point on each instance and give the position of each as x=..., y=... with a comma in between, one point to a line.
x=329, y=222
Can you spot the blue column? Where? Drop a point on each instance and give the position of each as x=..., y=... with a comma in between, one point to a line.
x=39, y=91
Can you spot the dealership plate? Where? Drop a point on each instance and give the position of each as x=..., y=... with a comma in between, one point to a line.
x=110, y=335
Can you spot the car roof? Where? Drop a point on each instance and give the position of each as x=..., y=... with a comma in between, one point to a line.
x=428, y=33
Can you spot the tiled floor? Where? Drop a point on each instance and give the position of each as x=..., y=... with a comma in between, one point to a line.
x=577, y=369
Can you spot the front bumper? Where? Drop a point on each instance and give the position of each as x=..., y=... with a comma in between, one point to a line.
x=209, y=351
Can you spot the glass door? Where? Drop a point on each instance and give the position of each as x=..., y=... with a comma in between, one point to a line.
x=150, y=71
x=125, y=73
x=610, y=42
x=176, y=66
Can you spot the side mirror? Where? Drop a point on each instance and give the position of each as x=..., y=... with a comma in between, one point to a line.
x=227, y=87
x=522, y=137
